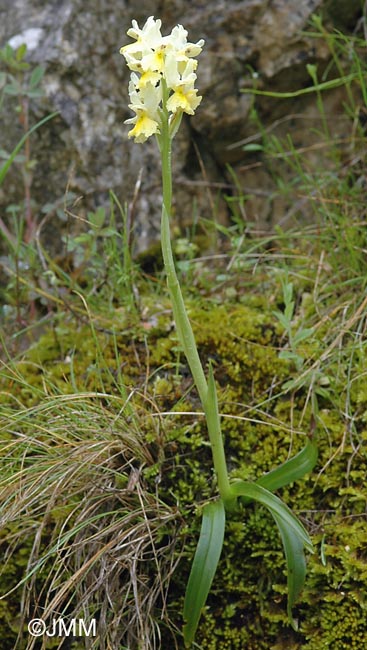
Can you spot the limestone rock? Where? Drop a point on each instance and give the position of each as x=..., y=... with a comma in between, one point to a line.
x=85, y=148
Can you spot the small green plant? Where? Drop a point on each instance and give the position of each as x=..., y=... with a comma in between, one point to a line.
x=162, y=88
x=101, y=256
x=19, y=227
x=286, y=317
x=24, y=84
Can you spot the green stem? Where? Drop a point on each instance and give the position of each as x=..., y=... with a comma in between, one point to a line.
x=183, y=325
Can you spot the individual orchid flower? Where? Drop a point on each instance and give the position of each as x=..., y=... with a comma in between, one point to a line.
x=149, y=37
x=145, y=103
x=144, y=126
x=178, y=41
x=184, y=99
x=178, y=73
x=184, y=95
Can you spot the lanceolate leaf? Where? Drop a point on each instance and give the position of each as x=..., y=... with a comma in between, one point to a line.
x=203, y=567
x=36, y=76
x=292, y=470
x=302, y=334
x=289, y=471
x=296, y=565
x=275, y=505
x=294, y=537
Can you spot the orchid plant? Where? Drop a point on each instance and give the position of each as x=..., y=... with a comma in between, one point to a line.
x=162, y=89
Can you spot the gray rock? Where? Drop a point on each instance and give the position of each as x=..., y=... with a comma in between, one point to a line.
x=86, y=148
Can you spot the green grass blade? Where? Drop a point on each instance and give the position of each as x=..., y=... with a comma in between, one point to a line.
x=5, y=167
x=203, y=567
x=325, y=85
x=294, y=537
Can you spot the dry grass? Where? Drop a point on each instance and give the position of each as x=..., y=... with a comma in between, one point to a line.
x=101, y=543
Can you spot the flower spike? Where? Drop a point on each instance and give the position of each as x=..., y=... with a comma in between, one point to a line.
x=154, y=61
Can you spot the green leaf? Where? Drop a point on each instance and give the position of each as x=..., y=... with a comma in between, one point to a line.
x=292, y=469
x=6, y=53
x=282, y=319
x=203, y=567
x=296, y=565
x=295, y=384
x=108, y=232
x=312, y=71
x=287, y=292
x=291, y=356
x=294, y=537
x=37, y=92
x=36, y=76
x=13, y=88
x=253, y=146
x=20, y=52
x=289, y=310
x=274, y=504
x=97, y=218
x=302, y=334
